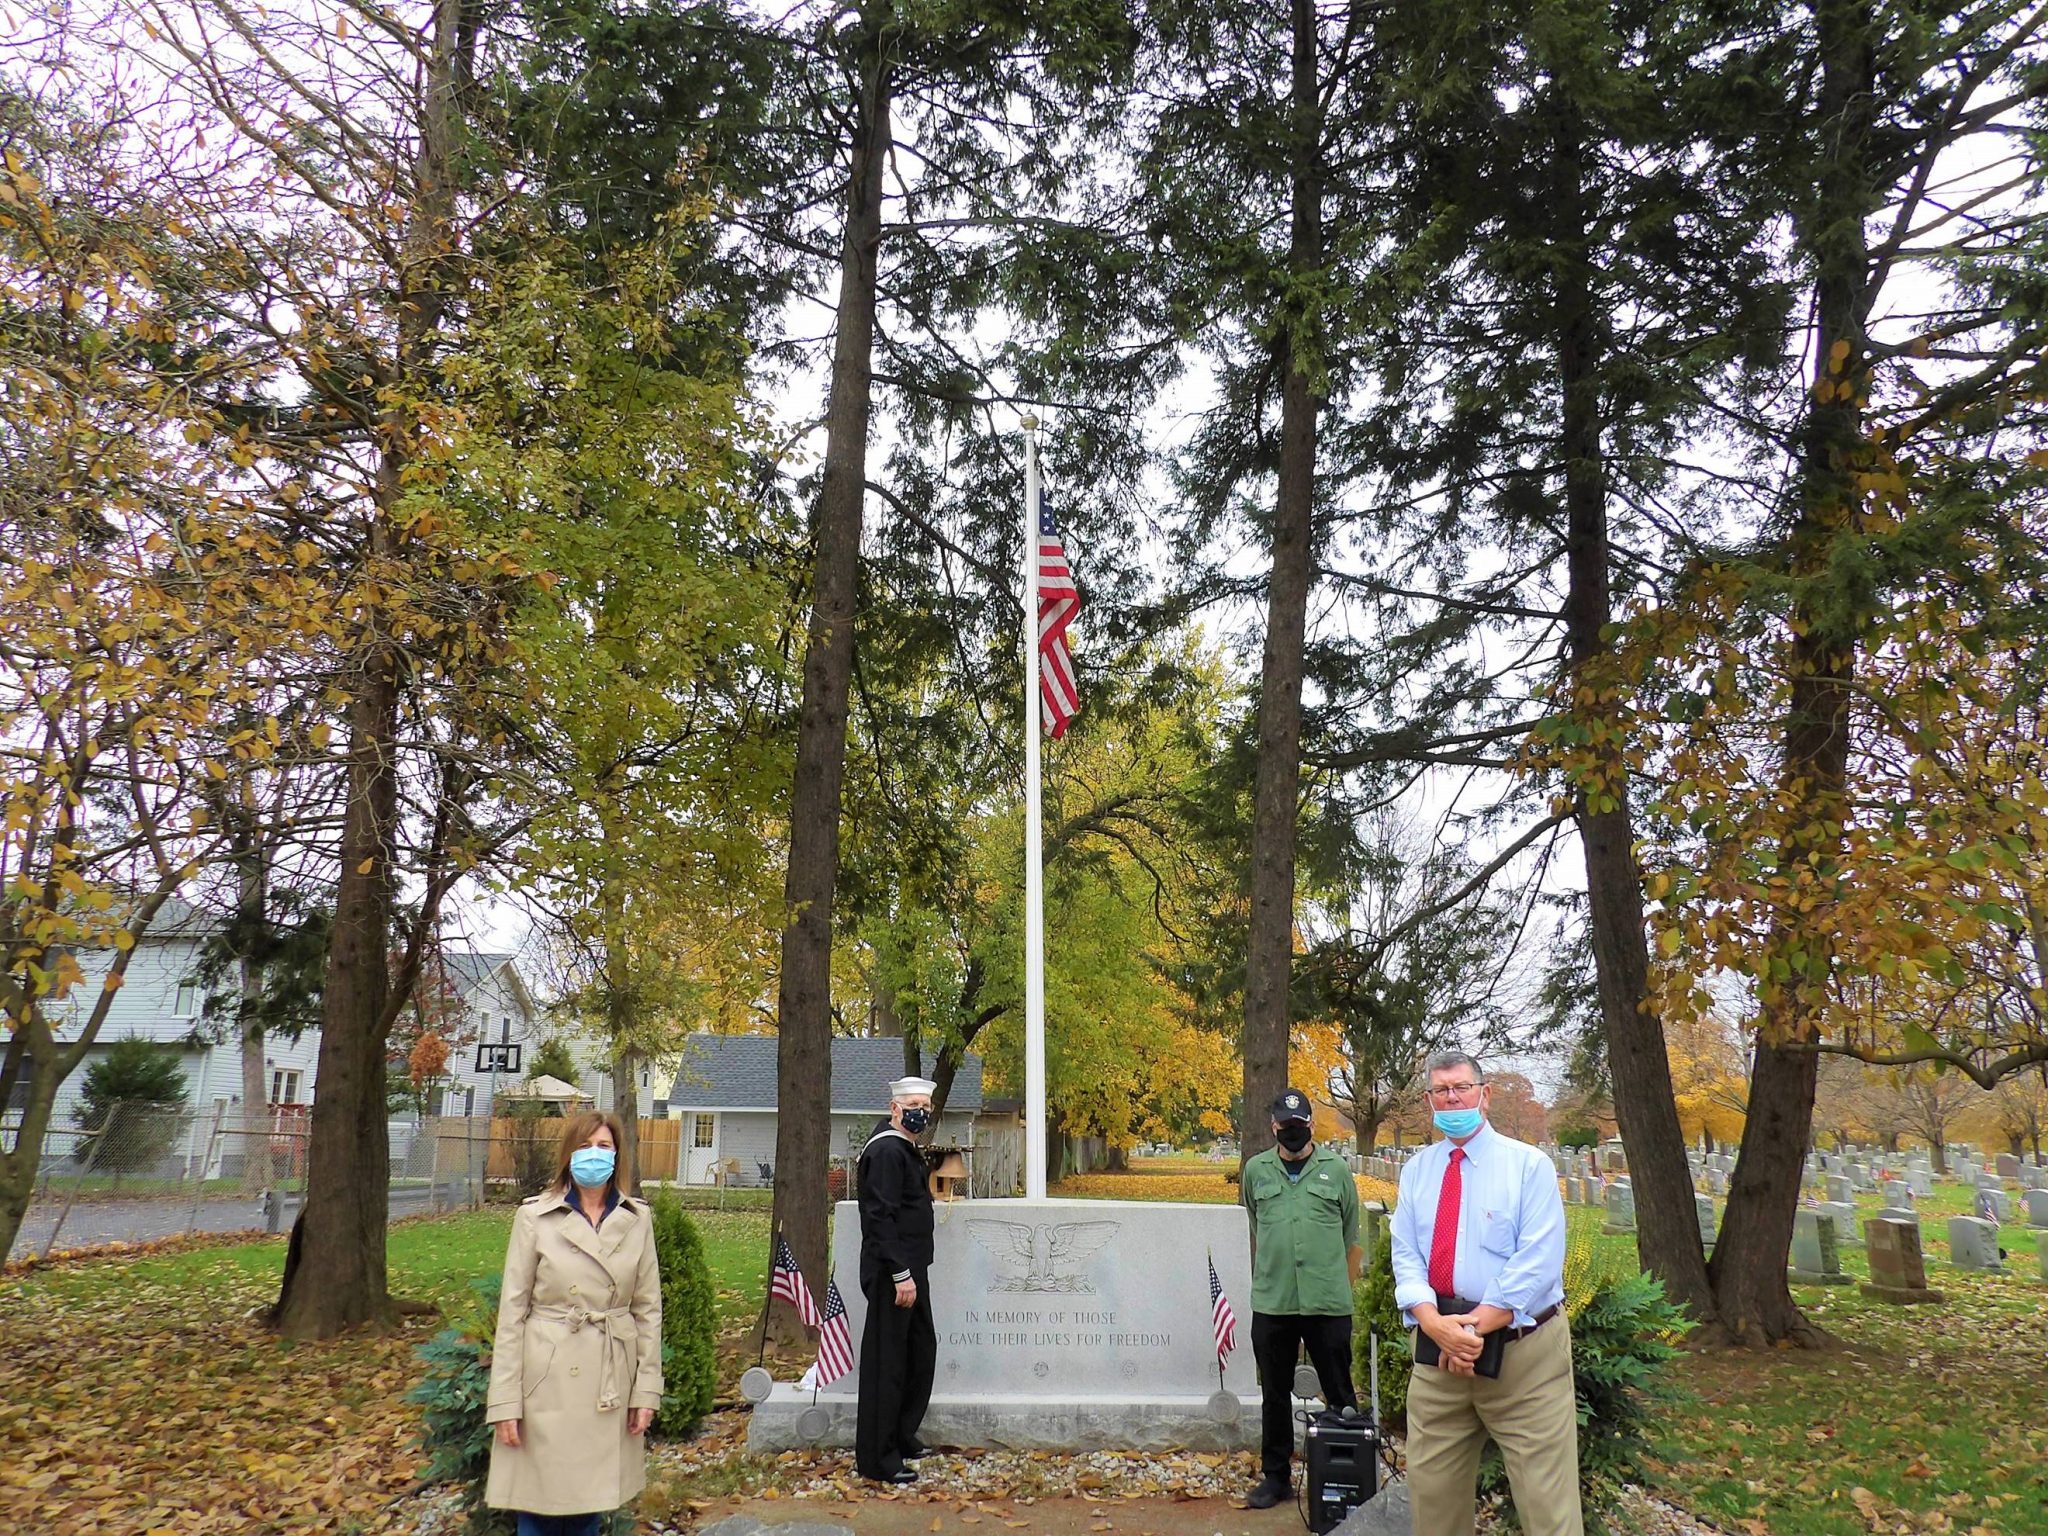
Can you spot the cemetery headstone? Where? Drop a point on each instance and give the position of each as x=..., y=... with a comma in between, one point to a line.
x=1704, y=1209
x=1898, y=1271
x=2008, y=1166
x=2037, y=1210
x=1840, y=1188
x=1815, y=1258
x=1621, y=1208
x=1973, y=1244
x=1843, y=1213
x=1992, y=1205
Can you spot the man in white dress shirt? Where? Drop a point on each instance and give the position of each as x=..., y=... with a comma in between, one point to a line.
x=1478, y=1248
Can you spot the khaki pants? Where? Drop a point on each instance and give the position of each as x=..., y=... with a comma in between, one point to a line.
x=1531, y=1413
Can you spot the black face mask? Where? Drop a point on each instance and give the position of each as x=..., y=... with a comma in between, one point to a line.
x=915, y=1121
x=1294, y=1134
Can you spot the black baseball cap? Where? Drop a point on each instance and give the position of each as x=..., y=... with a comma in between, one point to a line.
x=1293, y=1105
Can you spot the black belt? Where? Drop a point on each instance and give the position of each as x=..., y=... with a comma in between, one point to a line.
x=1541, y=1318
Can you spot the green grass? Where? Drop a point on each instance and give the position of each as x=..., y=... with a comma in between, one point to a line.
x=1925, y=1418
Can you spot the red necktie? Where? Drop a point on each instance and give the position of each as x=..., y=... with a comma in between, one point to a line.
x=1443, y=1243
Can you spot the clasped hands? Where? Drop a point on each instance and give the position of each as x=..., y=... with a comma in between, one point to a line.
x=1460, y=1338
x=507, y=1430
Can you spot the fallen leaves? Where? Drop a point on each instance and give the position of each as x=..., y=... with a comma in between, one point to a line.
x=1209, y=1187
x=158, y=1410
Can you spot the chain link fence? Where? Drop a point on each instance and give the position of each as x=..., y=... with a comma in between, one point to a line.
x=151, y=1171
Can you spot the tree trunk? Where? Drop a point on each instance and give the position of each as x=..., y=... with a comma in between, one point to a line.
x=341, y=1280
x=1667, y=1229
x=626, y=1105
x=341, y=1229
x=803, y=1057
x=1753, y=1302
x=1269, y=945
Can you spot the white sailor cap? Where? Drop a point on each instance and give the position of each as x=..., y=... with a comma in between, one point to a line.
x=904, y=1087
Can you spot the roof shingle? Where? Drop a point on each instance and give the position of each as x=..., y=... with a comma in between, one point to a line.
x=738, y=1072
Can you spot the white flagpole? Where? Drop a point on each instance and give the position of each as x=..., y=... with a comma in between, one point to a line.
x=1034, y=872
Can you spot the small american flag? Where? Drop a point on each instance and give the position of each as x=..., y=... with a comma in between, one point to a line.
x=1220, y=1313
x=835, y=1344
x=787, y=1281
x=1059, y=600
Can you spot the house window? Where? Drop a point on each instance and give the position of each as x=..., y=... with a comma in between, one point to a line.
x=643, y=1077
x=505, y=1030
x=705, y=1131
x=187, y=1005
x=284, y=1085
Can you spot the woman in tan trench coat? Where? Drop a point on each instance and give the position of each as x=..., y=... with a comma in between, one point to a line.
x=576, y=1367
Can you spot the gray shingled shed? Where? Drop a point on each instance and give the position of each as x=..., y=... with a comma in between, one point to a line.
x=725, y=1093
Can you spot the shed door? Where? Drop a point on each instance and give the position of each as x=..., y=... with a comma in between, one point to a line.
x=700, y=1148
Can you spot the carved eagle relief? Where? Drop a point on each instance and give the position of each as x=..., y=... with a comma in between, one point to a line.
x=1048, y=1253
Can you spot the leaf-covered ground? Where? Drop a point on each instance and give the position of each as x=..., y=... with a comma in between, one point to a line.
x=142, y=1396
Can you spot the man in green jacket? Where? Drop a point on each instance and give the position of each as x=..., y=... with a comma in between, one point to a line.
x=1305, y=1260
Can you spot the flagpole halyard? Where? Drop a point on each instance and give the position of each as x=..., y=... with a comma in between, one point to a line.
x=1034, y=870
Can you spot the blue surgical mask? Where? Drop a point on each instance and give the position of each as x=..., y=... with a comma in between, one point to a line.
x=1457, y=1122
x=592, y=1166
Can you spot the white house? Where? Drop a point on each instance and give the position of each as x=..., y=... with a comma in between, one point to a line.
x=725, y=1094
x=503, y=1028
x=160, y=1000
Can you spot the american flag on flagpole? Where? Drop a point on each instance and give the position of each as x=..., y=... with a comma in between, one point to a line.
x=835, y=1344
x=1059, y=600
x=787, y=1281
x=1220, y=1314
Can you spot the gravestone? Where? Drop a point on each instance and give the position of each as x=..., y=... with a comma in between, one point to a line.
x=1900, y=1195
x=1898, y=1272
x=1815, y=1258
x=2008, y=1166
x=1704, y=1209
x=1062, y=1325
x=1973, y=1244
x=1372, y=1229
x=1621, y=1208
x=1991, y=1205
x=2037, y=1210
x=1920, y=1181
x=1840, y=1187
x=1843, y=1213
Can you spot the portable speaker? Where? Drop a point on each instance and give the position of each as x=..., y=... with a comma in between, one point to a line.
x=1342, y=1451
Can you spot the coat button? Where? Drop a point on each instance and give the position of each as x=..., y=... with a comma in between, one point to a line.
x=575, y=1370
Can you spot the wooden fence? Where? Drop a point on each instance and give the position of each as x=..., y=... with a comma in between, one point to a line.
x=524, y=1149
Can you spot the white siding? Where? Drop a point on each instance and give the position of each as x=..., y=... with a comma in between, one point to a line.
x=749, y=1135
x=145, y=1007
x=498, y=1011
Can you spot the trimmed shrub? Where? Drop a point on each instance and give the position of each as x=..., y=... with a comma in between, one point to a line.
x=689, y=1320
x=130, y=1102
x=1623, y=1341
x=1373, y=1311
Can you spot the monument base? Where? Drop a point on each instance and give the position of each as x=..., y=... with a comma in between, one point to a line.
x=1900, y=1295
x=788, y=1420
x=1816, y=1277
